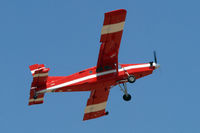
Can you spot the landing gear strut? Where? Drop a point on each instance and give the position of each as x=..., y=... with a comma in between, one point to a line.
x=130, y=79
x=126, y=97
x=35, y=95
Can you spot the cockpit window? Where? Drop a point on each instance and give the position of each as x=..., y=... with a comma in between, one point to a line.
x=107, y=67
x=99, y=69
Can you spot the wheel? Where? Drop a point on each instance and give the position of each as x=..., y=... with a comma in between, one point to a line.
x=106, y=113
x=127, y=97
x=131, y=79
x=35, y=96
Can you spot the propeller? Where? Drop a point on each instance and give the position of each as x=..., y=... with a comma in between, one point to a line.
x=155, y=58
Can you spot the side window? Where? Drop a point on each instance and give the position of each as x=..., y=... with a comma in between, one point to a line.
x=90, y=72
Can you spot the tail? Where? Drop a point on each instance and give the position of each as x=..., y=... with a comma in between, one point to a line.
x=40, y=75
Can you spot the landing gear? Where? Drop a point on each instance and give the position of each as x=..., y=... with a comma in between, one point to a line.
x=126, y=97
x=131, y=79
x=106, y=113
x=35, y=96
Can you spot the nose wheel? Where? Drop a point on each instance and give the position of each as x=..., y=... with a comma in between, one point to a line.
x=131, y=79
x=126, y=96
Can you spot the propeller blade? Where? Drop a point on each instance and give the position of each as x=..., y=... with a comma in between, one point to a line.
x=155, y=58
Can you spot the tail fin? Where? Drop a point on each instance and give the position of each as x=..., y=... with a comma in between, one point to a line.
x=40, y=75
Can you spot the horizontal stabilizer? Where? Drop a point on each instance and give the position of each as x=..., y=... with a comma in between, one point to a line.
x=35, y=98
x=40, y=76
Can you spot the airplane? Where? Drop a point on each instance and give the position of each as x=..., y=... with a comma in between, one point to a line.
x=98, y=79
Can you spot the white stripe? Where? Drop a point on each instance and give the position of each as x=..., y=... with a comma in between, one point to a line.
x=76, y=81
x=36, y=100
x=92, y=76
x=40, y=75
x=106, y=29
x=95, y=107
x=33, y=71
x=134, y=67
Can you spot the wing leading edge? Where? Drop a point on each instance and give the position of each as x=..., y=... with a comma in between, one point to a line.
x=111, y=34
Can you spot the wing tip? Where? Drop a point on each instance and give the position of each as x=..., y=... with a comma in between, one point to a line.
x=94, y=115
x=120, y=11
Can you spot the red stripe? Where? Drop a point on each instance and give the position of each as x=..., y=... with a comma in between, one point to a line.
x=35, y=66
x=35, y=102
x=92, y=101
x=113, y=17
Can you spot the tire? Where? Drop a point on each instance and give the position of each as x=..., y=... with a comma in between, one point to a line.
x=106, y=113
x=127, y=97
x=131, y=79
x=35, y=96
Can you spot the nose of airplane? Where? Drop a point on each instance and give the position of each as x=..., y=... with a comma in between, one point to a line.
x=157, y=66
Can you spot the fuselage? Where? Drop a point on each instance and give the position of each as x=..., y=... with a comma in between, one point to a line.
x=88, y=79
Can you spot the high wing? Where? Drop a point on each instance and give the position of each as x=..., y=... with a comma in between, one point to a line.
x=111, y=34
x=96, y=104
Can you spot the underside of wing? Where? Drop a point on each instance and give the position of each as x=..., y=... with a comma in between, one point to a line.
x=111, y=35
x=96, y=104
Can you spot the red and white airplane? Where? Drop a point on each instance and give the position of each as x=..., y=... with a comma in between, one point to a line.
x=99, y=79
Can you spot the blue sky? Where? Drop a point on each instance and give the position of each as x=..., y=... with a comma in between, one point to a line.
x=64, y=35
